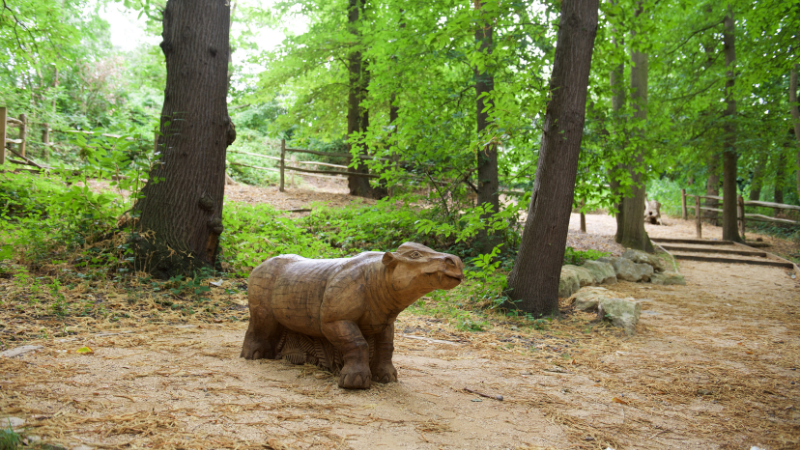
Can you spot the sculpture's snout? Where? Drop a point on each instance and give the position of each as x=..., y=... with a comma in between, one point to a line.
x=454, y=267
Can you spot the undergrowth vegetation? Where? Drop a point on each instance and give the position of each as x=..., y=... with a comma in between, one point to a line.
x=63, y=243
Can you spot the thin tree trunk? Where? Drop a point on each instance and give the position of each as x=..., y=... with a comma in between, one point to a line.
x=712, y=187
x=533, y=282
x=730, y=228
x=758, y=178
x=617, y=103
x=780, y=174
x=633, y=232
x=357, y=116
x=795, y=120
x=488, y=183
x=713, y=181
x=180, y=214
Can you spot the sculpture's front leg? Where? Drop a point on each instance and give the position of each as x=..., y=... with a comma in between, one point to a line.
x=381, y=366
x=346, y=336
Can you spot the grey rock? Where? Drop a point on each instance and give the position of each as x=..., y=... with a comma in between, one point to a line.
x=83, y=447
x=622, y=312
x=602, y=272
x=589, y=298
x=640, y=257
x=585, y=277
x=628, y=270
x=13, y=422
x=668, y=278
x=19, y=351
x=568, y=283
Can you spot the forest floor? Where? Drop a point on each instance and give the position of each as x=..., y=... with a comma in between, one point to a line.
x=714, y=365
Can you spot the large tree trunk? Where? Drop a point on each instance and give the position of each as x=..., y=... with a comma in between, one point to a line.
x=533, y=282
x=633, y=233
x=488, y=183
x=617, y=103
x=357, y=116
x=795, y=120
x=180, y=214
x=730, y=228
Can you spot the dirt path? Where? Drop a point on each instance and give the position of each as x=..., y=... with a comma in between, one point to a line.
x=714, y=365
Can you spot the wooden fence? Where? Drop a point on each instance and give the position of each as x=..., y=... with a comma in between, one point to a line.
x=283, y=168
x=22, y=140
x=741, y=215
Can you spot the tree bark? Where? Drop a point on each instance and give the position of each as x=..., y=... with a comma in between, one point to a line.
x=795, y=120
x=180, y=214
x=357, y=116
x=633, y=233
x=533, y=282
x=730, y=228
x=488, y=183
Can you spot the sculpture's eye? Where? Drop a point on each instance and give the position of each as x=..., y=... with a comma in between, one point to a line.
x=415, y=255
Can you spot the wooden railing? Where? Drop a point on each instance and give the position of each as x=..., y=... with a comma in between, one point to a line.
x=283, y=168
x=741, y=215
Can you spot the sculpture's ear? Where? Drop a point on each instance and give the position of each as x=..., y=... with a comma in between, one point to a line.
x=388, y=258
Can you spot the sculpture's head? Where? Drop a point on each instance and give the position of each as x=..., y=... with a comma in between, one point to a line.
x=420, y=268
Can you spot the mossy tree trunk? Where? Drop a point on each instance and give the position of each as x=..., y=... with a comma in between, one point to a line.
x=633, y=234
x=488, y=182
x=180, y=214
x=357, y=115
x=730, y=227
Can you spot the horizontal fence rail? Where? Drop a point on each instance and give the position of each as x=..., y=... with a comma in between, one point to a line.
x=742, y=216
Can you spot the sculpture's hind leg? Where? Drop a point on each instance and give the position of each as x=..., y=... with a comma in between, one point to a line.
x=264, y=332
x=263, y=335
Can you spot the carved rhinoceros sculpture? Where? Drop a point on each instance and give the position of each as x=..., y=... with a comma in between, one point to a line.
x=340, y=313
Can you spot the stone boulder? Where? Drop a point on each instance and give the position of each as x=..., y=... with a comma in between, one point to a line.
x=668, y=278
x=628, y=270
x=602, y=272
x=568, y=283
x=640, y=257
x=622, y=312
x=589, y=298
x=585, y=277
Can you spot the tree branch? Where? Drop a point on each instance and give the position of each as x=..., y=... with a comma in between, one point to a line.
x=693, y=34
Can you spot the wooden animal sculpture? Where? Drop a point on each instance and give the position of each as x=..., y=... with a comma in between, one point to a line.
x=652, y=212
x=340, y=313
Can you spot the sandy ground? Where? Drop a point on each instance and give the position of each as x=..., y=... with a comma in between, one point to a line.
x=714, y=365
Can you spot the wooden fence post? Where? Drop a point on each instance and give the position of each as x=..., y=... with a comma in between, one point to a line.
x=283, y=155
x=2, y=135
x=46, y=142
x=698, y=223
x=740, y=211
x=583, y=216
x=23, y=130
x=683, y=205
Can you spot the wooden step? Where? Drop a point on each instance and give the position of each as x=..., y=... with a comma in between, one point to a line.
x=756, y=262
x=706, y=242
x=691, y=241
x=681, y=248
